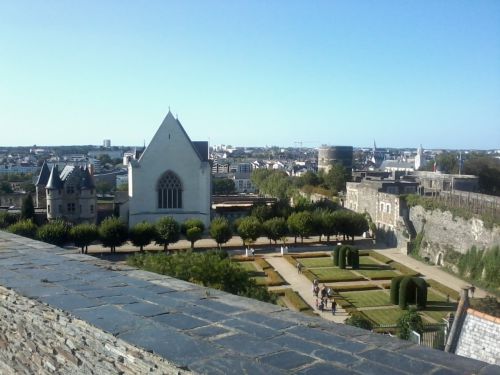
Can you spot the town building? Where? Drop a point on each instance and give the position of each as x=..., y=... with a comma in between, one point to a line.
x=171, y=178
x=70, y=195
x=330, y=155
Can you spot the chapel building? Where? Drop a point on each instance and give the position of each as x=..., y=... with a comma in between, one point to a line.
x=171, y=178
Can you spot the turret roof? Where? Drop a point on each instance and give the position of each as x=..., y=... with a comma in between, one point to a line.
x=54, y=179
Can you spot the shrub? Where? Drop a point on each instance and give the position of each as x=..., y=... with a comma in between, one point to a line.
x=167, y=231
x=55, y=233
x=335, y=255
x=192, y=223
x=360, y=321
x=220, y=230
x=7, y=219
x=193, y=234
x=409, y=321
x=25, y=228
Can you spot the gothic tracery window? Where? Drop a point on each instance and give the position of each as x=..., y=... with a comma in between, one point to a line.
x=169, y=191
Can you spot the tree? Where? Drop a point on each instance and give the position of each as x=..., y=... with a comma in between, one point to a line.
x=330, y=224
x=28, y=208
x=25, y=228
x=336, y=178
x=308, y=178
x=275, y=228
x=488, y=170
x=193, y=230
x=220, y=230
x=262, y=212
x=409, y=321
x=83, y=235
x=359, y=320
x=249, y=229
x=103, y=187
x=223, y=186
x=5, y=187
x=168, y=231
x=193, y=234
x=142, y=234
x=113, y=232
x=211, y=269
x=301, y=224
x=55, y=232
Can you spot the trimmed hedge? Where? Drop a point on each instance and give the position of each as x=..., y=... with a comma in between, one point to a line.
x=342, y=257
x=347, y=256
x=354, y=288
x=395, y=289
x=406, y=292
x=421, y=292
x=335, y=254
x=410, y=290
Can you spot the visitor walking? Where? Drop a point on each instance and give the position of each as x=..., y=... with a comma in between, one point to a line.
x=472, y=290
x=334, y=307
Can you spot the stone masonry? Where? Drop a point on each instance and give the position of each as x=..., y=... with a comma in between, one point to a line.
x=480, y=337
x=67, y=313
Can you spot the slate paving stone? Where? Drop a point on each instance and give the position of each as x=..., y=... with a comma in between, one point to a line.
x=287, y=360
x=341, y=343
x=326, y=369
x=171, y=344
x=206, y=314
x=41, y=290
x=218, y=306
x=247, y=345
x=447, y=371
x=231, y=365
x=102, y=292
x=372, y=368
x=145, y=309
x=111, y=319
x=443, y=359
x=265, y=320
x=119, y=300
x=208, y=331
x=251, y=328
x=403, y=363
x=384, y=341
x=490, y=370
x=158, y=289
x=179, y=321
x=316, y=350
x=69, y=302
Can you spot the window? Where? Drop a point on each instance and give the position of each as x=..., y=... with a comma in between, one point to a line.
x=169, y=191
x=381, y=207
x=71, y=208
x=388, y=208
x=70, y=189
x=48, y=208
x=91, y=208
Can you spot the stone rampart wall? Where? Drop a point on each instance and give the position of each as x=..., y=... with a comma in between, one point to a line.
x=442, y=232
x=480, y=337
x=37, y=339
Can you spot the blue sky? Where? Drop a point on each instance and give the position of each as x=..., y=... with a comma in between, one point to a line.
x=252, y=72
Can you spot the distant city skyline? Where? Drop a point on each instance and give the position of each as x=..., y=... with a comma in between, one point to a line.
x=251, y=73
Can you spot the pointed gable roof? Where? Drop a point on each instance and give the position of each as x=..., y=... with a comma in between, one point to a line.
x=44, y=175
x=54, y=179
x=169, y=122
x=87, y=181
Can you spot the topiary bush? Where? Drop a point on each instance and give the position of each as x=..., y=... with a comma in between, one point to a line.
x=395, y=289
x=407, y=292
x=342, y=257
x=335, y=254
x=421, y=292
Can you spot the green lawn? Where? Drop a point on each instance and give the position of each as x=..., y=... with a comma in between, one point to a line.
x=248, y=266
x=316, y=262
x=384, y=316
x=378, y=274
x=367, y=260
x=332, y=274
x=367, y=298
x=437, y=315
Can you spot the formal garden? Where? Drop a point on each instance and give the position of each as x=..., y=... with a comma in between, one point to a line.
x=361, y=281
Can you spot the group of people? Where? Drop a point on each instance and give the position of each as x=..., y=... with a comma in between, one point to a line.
x=322, y=296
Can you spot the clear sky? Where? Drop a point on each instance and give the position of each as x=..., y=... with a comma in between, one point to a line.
x=252, y=72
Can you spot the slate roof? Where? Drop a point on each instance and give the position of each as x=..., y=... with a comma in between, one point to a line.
x=44, y=175
x=217, y=333
x=54, y=179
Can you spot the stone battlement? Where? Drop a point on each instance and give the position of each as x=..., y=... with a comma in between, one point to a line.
x=64, y=312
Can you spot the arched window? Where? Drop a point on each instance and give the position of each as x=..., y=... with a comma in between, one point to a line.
x=169, y=191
